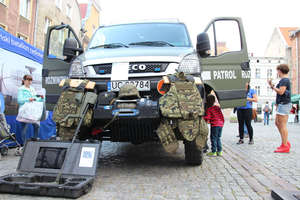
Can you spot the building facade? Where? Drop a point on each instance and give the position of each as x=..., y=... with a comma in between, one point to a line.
x=90, y=14
x=295, y=38
x=263, y=69
x=284, y=43
x=18, y=17
x=55, y=12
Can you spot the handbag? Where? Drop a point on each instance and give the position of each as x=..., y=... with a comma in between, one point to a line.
x=31, y=111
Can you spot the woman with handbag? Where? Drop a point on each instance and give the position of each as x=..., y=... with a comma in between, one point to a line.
x=26, y=93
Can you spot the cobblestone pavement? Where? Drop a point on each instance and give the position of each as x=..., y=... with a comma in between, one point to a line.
x=267, y=139
x=147, y=172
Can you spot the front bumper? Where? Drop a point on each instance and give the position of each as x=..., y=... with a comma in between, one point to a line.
x=136, y=124
x=143, y=109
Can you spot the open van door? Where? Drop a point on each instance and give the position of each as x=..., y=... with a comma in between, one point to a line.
x=62, y=46
x=225, y=67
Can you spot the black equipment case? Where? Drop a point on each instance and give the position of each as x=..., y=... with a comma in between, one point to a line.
x=41, y=163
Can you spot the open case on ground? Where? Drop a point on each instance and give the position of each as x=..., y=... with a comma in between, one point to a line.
x=279, y=194
x=42, y=161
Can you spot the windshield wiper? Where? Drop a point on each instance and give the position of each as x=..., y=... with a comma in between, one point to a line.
x=111, y=45
x=152, y=43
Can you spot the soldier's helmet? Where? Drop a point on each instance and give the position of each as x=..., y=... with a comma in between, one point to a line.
x=129, y=91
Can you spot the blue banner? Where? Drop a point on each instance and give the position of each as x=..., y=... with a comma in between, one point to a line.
x=18, y=46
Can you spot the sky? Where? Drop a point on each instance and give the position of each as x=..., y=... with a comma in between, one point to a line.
x=260, y=17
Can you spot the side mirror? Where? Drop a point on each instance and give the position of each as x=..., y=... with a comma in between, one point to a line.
x=203, y=45
x=70, y=48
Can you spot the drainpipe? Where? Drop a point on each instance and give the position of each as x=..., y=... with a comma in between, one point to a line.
x=297, y=65
x=35, y=23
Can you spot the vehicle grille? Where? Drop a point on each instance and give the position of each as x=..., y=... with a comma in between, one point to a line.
x=134, y=130
x=103, y=68
x=150, y=67
x=134, y=67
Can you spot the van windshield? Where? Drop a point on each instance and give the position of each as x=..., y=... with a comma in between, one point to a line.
x=147, y=34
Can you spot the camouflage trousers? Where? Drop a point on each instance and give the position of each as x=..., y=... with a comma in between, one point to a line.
x=66, y=133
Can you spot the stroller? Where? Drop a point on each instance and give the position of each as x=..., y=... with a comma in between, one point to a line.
x=6, y=138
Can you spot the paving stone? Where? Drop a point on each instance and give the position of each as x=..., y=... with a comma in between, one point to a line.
x=147, y=172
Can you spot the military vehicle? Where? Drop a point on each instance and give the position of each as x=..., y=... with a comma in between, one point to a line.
x=142, y=54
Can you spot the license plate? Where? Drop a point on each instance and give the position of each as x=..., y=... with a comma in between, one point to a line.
x=140, y=85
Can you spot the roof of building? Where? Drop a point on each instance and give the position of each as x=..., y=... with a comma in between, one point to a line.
x=84, y=4
x=285, y=32
x=83, y=9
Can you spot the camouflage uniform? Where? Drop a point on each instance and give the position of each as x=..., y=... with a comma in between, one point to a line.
x=70, y=105
x=183, y=104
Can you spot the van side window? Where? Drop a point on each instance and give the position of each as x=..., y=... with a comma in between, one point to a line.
x=227, y=36
x=211, y=36
x=56, y=42
x=224, y=37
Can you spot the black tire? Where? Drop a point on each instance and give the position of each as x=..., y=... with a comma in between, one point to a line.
x=193, y=155
x=4, y=150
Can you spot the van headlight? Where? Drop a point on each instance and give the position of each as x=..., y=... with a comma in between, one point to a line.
x=190, y=64
x=76, y=69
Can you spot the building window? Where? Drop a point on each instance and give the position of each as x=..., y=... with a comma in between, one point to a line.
x=25, y=8
x=269, y=73
x=257, y=73
x=69, y=11
x=58, y=4
x=48, y=22
x=22, y=37
x=257, y=88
